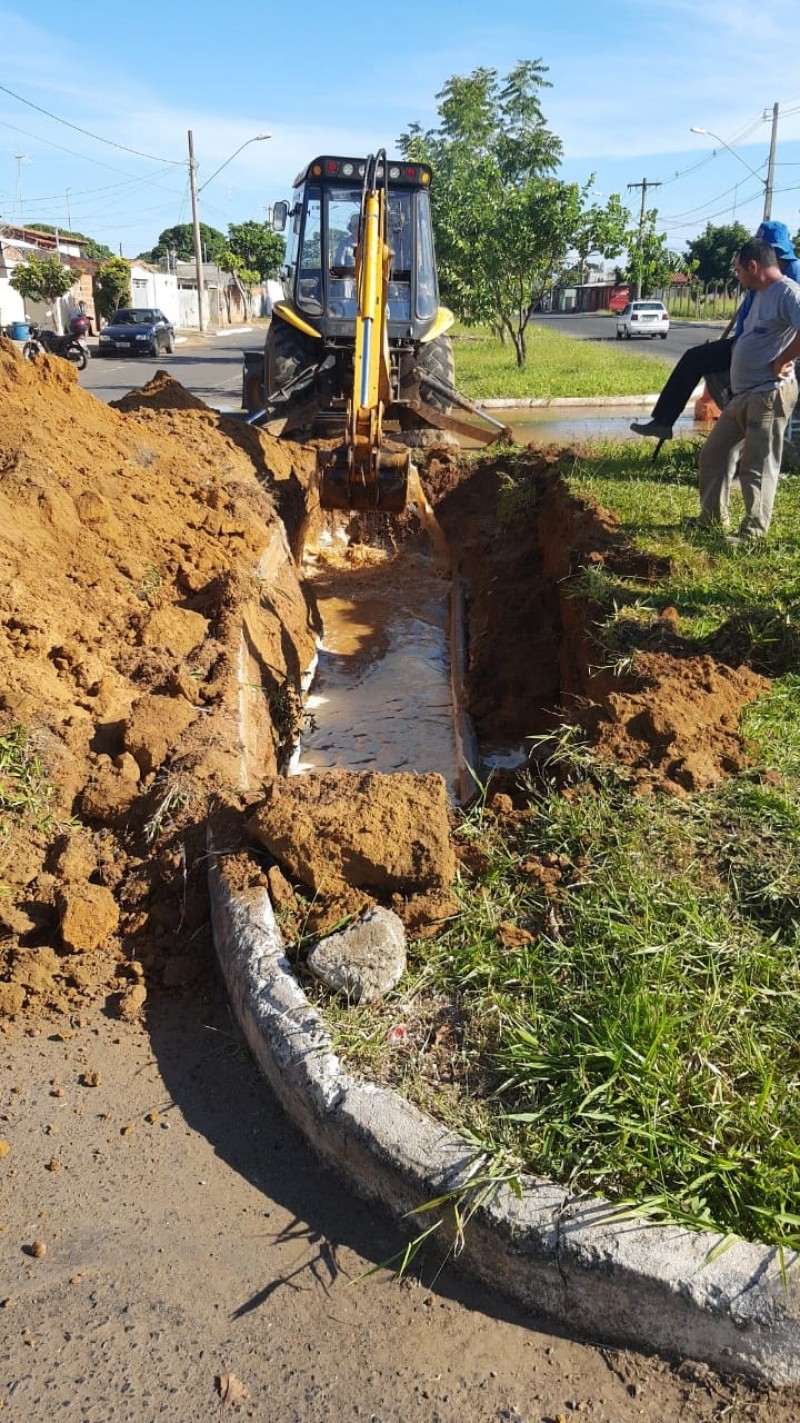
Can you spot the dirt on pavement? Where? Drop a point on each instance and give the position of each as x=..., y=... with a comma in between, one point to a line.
x=149, y=553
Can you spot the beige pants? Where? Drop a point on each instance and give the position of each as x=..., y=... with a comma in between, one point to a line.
x=749, y=432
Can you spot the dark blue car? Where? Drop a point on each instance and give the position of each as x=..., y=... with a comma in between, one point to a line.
x=142, y=330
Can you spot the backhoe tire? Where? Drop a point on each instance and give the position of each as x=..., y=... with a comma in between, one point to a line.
x=436, y=358
x=287, y=352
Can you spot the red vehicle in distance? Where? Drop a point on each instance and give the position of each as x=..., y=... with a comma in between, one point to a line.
x=620, y=296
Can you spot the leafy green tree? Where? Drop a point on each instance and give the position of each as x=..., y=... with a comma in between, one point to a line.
x=112, y=286
x=245, y=278
x=95, y=251
x=600, y=229
x=649, y=260
x=43, y=279
x=257, y=246
x=180, y=240
x=712, y=253
x=503, y=223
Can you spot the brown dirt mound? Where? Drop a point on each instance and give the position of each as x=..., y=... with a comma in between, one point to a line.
x=131, y=542
x=163, y=392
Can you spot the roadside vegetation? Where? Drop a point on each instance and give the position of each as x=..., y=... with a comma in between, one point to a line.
x=617, y=1003
x=487, y=369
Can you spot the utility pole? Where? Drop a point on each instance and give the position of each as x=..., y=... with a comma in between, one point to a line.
x=644, y=185
x=771, y=164
x=198, y=250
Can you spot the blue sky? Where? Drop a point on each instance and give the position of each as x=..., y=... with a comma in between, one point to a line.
x=629, y=80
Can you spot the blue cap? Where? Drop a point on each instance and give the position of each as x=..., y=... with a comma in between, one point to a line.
x=777, y=235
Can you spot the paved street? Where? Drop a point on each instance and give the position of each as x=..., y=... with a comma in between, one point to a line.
x=211, y=366
x=586, y=326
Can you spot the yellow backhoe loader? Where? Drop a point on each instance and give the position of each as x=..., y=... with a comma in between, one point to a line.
x=359, y=346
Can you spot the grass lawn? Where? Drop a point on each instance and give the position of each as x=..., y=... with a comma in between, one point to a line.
x=556, y=366
x=638, y=1034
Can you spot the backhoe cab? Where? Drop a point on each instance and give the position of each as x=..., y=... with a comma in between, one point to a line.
x=358, y=347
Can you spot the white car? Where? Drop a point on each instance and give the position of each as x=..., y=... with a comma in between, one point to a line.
x=643, y=318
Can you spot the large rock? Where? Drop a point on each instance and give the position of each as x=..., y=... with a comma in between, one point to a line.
x=365, y=960
x=383, y=833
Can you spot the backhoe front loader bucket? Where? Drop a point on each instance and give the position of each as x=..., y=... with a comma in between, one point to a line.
x=383, y=487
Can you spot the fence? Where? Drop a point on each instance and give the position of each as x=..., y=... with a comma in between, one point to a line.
x=716, y=301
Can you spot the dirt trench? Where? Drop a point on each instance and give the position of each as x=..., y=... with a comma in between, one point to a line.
x=155, y=603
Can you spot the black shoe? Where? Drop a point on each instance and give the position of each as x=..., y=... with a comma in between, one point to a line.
x=653, y=428
x=698, y=524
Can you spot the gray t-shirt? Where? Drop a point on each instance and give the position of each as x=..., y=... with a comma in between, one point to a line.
x=769, y=326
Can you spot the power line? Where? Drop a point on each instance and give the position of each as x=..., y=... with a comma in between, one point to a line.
x=83, y=157
x=87, y=133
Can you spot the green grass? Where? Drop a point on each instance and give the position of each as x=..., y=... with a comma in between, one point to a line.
x=556, y=366
x=629, y=1018
x=26, y=794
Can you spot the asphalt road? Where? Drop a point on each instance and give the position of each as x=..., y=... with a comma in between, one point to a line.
x=208, y=366
x=587, y=327
x=211, y=366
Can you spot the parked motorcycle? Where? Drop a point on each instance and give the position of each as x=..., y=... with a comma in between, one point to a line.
x=43, y=342
x=80, y=325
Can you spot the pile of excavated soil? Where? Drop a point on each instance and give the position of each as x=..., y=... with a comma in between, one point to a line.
x=153, y=620
x=130, y=546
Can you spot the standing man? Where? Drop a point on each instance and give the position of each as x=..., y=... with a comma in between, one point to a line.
x=751, y=428
x=713, y=357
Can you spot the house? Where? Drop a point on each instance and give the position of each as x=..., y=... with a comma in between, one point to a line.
x=150, y=286
x=226, y=302
x=17, y=244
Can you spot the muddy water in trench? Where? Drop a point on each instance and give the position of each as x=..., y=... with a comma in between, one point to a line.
x=381, y=698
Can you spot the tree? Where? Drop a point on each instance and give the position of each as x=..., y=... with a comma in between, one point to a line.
x=112, y=286
x=43, y=279
x=712, y=253
x=180, y=241
x=257, y=246
x=649, y=261
x=503, y=223
x=600, y=229
x=95, y=251
x=244, y=277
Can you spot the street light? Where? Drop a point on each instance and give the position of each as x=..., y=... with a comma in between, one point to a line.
x=198, y=250
x=258, y=138
x=765, y=182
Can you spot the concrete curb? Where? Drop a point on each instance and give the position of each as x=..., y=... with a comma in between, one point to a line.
x=619, y=1282
x=568, y=401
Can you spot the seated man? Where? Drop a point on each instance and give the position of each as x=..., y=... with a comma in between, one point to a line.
x=345, y=254
x=713, y=356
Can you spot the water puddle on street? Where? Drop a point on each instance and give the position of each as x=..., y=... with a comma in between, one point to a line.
x=381, y=699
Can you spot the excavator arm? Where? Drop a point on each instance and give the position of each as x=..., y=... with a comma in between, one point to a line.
x=363, y=473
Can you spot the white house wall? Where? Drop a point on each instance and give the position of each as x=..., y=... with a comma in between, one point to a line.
x=12, y=307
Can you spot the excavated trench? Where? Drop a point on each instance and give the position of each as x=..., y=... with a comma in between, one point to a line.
x=446, y=644
x=162, y=605
x=455, y=638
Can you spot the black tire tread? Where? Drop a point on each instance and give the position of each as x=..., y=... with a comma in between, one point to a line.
x=287, y=352
x=436, y=358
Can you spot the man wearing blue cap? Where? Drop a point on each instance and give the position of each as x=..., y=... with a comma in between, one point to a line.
x=748, y=436
x=713, y=357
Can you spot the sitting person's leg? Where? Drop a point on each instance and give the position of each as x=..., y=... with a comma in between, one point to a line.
x=694, y=364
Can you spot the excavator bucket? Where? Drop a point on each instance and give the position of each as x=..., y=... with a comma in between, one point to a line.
x=342, y=486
